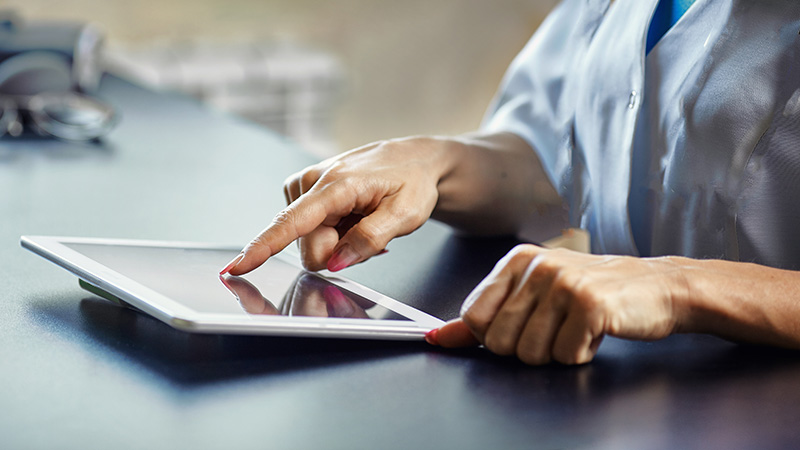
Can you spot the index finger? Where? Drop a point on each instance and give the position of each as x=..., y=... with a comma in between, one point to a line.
x=295, y=221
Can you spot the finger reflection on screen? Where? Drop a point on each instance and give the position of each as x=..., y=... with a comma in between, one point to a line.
x=249, y=296
x=309, y=295
x=313, y=296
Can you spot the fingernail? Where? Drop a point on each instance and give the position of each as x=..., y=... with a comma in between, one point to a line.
x=432, y=337
x=382, y=252
x=343, y=258
x=232, y=264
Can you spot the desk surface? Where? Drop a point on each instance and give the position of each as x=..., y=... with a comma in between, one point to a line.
x=77, y=372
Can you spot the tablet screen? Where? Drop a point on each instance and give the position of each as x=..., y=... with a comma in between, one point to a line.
x=191, y=276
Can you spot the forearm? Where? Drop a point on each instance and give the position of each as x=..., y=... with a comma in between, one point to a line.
x=494, y=185
x=742, y=302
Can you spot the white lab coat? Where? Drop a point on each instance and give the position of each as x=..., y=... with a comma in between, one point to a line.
x=693, y=149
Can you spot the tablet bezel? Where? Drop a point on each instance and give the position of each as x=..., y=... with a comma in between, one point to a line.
x=175, y=314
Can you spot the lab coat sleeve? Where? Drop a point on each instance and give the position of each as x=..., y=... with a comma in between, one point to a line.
x=537, y=97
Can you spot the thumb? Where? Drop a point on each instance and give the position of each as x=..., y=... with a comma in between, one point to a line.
x=453, y=334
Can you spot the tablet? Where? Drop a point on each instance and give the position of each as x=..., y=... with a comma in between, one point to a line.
x=179, y=284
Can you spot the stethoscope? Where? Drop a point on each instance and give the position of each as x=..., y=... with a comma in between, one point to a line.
x=36, y=93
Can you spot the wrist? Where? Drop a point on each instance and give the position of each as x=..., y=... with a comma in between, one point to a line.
x=492, y=184
x=687, y=295
x=735, y=300
x=708, y=295
x=455, y=173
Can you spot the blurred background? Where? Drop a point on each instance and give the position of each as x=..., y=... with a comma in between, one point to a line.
x=332, y=75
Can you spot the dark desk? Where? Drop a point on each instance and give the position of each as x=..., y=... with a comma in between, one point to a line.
x=77, y=372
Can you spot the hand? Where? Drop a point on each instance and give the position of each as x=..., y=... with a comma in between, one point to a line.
x=543, y=305
x=347, y=208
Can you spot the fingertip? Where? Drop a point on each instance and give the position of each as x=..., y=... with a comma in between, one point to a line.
x=455, y=334
x=232, y=264
x=342, y=258
x=242, y=267
x=346, y=257
x=432, y=337
x=250, y=258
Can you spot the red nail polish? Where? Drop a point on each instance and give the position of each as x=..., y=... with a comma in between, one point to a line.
x=432, y=337
x=342, y=258
x=232, y=264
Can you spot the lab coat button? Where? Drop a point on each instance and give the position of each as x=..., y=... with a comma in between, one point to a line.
x=632, y=100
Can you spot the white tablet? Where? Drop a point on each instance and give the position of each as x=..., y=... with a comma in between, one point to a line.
x=179, y=284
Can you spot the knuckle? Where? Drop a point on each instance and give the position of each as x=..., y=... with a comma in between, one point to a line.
x=521, y=252
x=574, y=287
x=312, y=257
x=284, y=217
x=409, y=218
x=516, y=258
x=532, y=355
x=311, y=263
x=560, y=252
x=532, y=347
x=287, y=196
x=308, y=179
x=341, y=187
x=401, y=213
x=566, y=278
x=500, y=344
x=476, y=321
x=473, y=297
x=372, y=236
x=541, y=274
x=306, y=258
x=518, y=306
x=614, y=325
x=586, y=300
x=337, y=169
x=568, y=357
x=291, y=179
x=257, y=242
x=547, y=266
x=565, y=284
x=283, y=222
x=407, y=215
x=417, y=217
x=572, y=356
x=565, y=352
